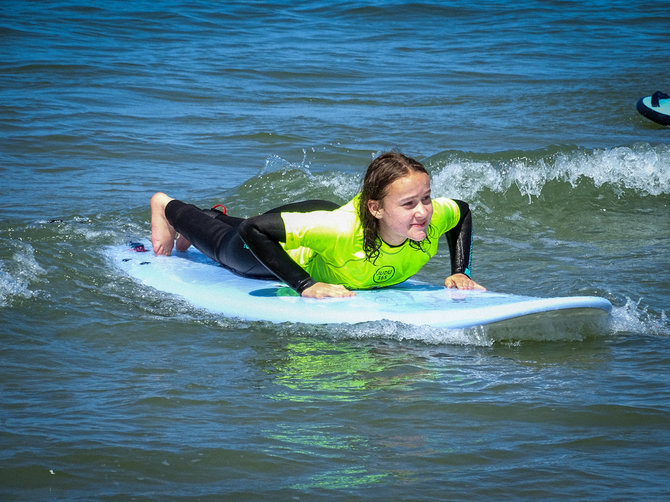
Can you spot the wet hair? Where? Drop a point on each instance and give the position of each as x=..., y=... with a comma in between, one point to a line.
x=381, y=173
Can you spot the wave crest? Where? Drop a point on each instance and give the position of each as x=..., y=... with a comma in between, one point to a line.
x=643, y=169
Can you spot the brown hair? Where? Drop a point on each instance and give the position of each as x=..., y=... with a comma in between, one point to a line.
x=382, y=171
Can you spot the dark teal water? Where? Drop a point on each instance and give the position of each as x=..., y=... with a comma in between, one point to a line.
x=109, y=390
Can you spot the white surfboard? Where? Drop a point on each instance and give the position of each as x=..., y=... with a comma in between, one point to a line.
x=207, y=285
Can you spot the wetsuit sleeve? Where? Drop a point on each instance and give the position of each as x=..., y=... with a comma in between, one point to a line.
x=262, y=235
x=459, y=239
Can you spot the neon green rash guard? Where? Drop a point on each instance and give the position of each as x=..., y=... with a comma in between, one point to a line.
x=328, y=245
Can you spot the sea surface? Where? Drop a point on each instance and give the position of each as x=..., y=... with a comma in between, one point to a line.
x=110, y=390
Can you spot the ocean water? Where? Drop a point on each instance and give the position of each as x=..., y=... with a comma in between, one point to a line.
x=113, y=391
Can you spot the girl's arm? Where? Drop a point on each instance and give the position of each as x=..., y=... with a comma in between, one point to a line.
x=459, y=239
x=262, y=235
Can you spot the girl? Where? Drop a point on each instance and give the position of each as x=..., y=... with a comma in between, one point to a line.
x=380, y=238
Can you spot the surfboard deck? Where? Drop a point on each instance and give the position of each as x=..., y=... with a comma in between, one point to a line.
x=207, y=285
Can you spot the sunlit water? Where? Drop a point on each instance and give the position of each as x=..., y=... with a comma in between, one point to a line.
x=111, y=390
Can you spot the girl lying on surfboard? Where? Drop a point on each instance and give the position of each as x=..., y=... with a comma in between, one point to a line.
x=380, y=238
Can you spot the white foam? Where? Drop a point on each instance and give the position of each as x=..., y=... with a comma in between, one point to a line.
x=636, y=318
x=17, y=275
x=396, y=331
x=549, y=328
x=643, y=168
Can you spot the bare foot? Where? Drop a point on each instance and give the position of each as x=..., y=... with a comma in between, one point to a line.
x=182, y=243
x=162, y=233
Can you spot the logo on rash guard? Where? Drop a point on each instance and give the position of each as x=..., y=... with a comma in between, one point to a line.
x=384, y=274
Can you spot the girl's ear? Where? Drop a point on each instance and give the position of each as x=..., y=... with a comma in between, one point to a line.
x=375, y=208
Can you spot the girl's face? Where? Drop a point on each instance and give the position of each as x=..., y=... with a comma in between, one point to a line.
x=405, y=212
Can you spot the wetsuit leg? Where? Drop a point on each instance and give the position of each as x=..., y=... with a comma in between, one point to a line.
x=215, y=234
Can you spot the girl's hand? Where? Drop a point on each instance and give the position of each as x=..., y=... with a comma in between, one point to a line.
x=325, y=290
x=462, y=281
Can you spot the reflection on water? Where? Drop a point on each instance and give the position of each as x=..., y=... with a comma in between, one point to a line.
x=313, y=370
x=322, y=376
